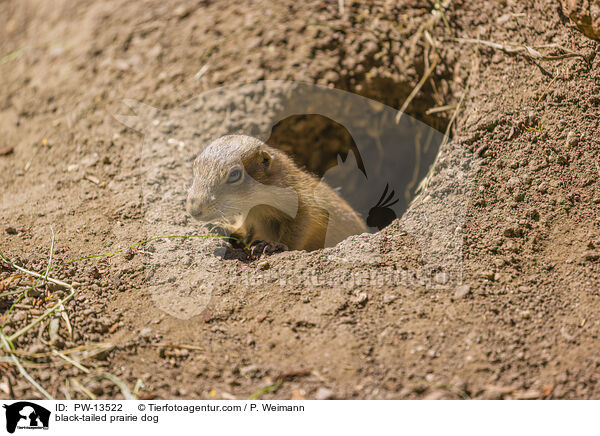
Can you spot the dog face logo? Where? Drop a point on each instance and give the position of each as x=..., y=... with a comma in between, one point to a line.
x=26, y=415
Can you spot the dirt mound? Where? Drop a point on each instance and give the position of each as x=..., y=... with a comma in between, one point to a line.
x=513, y=198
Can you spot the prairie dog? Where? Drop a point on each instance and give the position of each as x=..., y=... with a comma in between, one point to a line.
x=257, y=193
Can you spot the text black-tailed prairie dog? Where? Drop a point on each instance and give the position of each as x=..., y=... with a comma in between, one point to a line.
x=258, y=193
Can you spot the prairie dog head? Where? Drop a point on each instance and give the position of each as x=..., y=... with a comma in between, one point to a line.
x=231, y=176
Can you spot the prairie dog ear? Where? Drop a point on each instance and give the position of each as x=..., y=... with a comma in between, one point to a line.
x=265, y=158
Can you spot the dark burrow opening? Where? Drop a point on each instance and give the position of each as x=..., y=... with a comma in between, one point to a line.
x=385, y=161
x=374, y=157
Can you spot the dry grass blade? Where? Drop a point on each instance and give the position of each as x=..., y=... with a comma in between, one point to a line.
x=49, y=257
x=266, y=390
x=453, y=119
x=179, y=347
x=25, y=363
x=436, y=110
x=48, y=312
x=12, y=56
x=59, y=308
x=53, y=328
x=22, y=370
x=416, y=89
x=122, y=386
x=9, y=293
x=425, y=32
x=425, y=182
x=71, y=361
x=545, y=91
x=138, y=386
x=89, y=351
x=4, y=283
x=85, y=391
x=83, y=351
x=526, y=50
x=155, y=238
x=65, y=317
x=67, y=391
x=41, y=317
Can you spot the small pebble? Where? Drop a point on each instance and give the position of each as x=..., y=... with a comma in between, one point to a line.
x=361, y=299
x=512, y=183
x=389, y=298
x=181, y=12
x=96, y=388
x=249, y=370
x=18, y=317
x=324, y=394
x=572, y=140
x=462, y=291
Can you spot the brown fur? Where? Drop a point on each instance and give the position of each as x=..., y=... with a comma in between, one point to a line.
x=265, y=220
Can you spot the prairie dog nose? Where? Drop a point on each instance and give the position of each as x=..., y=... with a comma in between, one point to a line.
x=194, y=206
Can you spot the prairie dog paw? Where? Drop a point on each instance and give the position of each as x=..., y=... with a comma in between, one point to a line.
x=260, y=248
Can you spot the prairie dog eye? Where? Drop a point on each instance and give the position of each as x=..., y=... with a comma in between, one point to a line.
x=235, y=175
